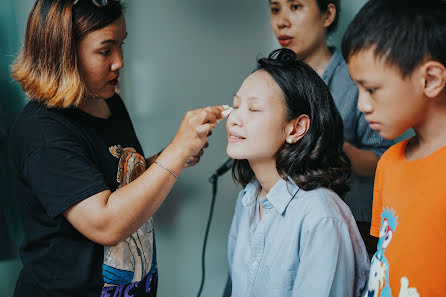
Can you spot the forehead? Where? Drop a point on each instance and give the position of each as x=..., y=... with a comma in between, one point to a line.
x=115, y=31
x=365, y=63
x=260, y=85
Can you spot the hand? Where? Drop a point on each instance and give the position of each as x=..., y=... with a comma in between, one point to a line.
x=192, y=134
x=192, y=161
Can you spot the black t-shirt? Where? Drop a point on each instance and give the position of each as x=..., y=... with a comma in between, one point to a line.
x=61, y=157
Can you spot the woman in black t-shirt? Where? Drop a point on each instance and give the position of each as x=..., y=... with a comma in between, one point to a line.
x=86, y=191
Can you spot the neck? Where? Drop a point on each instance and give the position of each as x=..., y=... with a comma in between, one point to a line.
x=430, y=132
x=319, y=59
x=266, y=173
x=95, y=107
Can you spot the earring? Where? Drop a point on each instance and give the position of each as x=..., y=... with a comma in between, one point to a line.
x=289, y=140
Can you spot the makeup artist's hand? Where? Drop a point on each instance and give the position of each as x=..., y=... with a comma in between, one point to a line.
x=191, y=137
x=192, y=161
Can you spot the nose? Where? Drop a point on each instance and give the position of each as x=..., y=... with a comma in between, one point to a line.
x=364, y=104
x=283, y=19
x=234, y=118
x=118, y=61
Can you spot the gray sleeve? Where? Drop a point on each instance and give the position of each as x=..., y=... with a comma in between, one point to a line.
x=326, y=266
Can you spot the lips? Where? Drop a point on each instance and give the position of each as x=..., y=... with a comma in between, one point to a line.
x=113, y=82
x=374, y=125
x=285, y=40
x=233, y=137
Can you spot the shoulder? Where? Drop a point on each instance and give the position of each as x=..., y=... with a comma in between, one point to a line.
x=36, y=121
x=393, y=153
x=339, y=76
x=322, y=204
x=37, y=126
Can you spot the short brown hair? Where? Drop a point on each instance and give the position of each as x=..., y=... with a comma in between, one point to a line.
x=47, y=67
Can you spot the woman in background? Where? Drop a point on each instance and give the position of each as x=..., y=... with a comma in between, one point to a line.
x=303, y=26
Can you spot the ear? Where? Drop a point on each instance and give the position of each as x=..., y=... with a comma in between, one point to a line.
x=434, y=78
x=329, y=15
x=297, y=128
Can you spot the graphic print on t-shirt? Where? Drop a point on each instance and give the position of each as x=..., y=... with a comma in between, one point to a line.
x=378, y=285
x=133, y=259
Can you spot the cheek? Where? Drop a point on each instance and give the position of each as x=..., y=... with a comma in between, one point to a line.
x=268, y=136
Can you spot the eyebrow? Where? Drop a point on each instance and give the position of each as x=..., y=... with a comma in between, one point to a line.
x=275, y=2
x=249, y=99
x=113, y=41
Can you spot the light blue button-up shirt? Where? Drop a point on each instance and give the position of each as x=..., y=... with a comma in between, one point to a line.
x=306, y=244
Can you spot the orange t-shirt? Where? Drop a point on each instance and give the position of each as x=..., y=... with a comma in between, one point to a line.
x=409, y=217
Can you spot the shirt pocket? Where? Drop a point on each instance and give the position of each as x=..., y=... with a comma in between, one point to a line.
x=281, y=278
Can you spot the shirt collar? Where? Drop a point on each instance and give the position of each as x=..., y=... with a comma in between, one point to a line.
x=278, y=197
x=336, y=58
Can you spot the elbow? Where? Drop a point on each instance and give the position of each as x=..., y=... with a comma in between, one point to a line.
x=107, y=238
x=107, y=234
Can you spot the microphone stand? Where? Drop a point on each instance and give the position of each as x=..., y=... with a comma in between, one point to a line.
x=213, y=179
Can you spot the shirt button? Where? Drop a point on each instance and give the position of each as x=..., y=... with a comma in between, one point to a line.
x=254, y=263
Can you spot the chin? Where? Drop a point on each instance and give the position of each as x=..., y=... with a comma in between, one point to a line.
x=234, y=154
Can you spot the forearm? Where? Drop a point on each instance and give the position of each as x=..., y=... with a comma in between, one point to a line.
x=150, y=160
x=141, y=198
x=108, y=218
x=363, y=161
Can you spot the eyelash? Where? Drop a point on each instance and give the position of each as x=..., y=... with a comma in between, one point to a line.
x=105, y=53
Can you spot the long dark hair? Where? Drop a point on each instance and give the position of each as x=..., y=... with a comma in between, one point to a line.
x=317, y=160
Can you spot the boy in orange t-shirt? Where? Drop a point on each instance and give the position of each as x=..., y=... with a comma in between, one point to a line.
x=396, y=54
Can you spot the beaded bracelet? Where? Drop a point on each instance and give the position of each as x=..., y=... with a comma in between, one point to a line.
x=164, y=167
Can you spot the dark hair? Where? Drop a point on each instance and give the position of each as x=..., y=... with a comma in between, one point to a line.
x=323, y=5
x=317, y=160
x=47, y=67
x=404, y=33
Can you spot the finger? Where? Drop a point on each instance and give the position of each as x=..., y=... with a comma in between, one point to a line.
x=203, y=130
x=215, y=112
x=199, y=154
x=192, y=161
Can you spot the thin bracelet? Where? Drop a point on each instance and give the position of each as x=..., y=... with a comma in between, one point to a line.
x=164, y=167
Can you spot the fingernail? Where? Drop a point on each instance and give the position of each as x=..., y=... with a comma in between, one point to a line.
x=226, y=112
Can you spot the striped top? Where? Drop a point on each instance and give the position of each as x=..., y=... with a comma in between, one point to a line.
x=356, y=131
